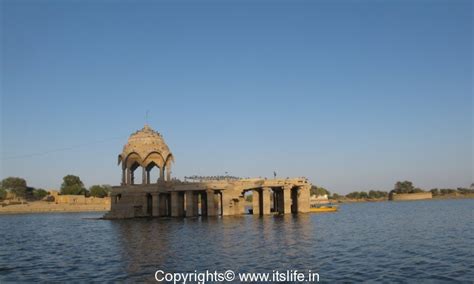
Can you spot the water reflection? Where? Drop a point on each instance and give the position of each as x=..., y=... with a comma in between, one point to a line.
x=388, y=242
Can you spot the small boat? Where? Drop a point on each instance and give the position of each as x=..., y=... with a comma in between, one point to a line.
x=323, y=208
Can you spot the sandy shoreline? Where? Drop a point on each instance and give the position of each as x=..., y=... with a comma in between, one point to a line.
x=49, y=207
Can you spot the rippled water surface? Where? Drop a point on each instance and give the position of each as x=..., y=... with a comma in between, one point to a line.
x=399, y=241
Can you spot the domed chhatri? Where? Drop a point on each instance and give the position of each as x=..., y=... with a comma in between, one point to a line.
x=145, y=148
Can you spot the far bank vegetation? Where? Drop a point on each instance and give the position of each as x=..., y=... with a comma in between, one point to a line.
x=399, y=188
x=14, y=190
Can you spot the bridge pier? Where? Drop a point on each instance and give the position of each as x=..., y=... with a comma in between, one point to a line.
x=241, y=205
x=261, y=202
x=303, y=198
x=287, y=199
x=232, y=202
x=211, y=203
x=164, y=205
x=191, y=204
x=177, y=204
x=266, y=192
x=155, y=200
x=226, y=204
x=256, y=201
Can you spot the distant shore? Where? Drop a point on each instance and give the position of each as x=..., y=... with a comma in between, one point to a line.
x=439, y=197
x=50, y=207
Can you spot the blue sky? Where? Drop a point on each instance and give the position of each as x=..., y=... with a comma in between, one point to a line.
x=354, y=95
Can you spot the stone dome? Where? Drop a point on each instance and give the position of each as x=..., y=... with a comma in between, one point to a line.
x=146, y=148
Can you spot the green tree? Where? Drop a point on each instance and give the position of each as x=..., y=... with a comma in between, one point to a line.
x=445, y=191
x=376, y=194
x=318, y=191
x=3, y=194
x=72, y=185
x=417, y=190
x=99, y=190
x=434, y=191
x=404, y=187
x=353, y=195
x=39, y=193
x=465, y=190
x=373, y=194
x=363, y=195
x=337, y=196
x=15, y=185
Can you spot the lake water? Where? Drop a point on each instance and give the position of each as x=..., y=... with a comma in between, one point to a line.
x=388, y=241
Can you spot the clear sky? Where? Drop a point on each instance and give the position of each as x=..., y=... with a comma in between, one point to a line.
x=354, y=95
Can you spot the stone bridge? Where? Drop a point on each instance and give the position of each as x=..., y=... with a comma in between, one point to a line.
x=210, y=198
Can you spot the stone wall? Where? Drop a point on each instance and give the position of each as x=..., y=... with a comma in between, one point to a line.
x=411, y=196
x=44, y=207
x=81, y=199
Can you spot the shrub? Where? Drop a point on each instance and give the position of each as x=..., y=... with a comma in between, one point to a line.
x=72, y=185
x=99, y=190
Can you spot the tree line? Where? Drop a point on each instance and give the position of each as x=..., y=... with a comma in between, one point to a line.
x=71, y=185
x=399, y=188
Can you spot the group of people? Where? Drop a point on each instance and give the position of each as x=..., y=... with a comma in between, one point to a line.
x=207, y=178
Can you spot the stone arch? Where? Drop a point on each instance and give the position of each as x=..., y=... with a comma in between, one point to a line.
x=130, y=163
x=150, y=177
x=135, y=165
x=155, y=157
x=167, y=166
x=132, y=158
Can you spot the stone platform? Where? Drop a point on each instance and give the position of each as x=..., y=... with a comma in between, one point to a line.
x=210, y=198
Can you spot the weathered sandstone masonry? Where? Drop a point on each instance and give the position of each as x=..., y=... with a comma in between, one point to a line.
x=283, y=196
x=166, y=197
x=410, y=196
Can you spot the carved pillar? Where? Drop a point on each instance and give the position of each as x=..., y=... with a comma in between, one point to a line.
x=162, y=173
x=144, y=175
x=227, y=203
x=287, y=199
x=191, y=204
x=211, y=203
x=155, y=207
x=168, y=172
x=241, y=205
x=266, y=202
x=303, y=199
x=132, y=176
x=129, y=176
x=203, y=196
x=163, y=204
x=124, y=173
x=177, y=204
x=196, y=204
x=278, y=201
x=256, y=201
